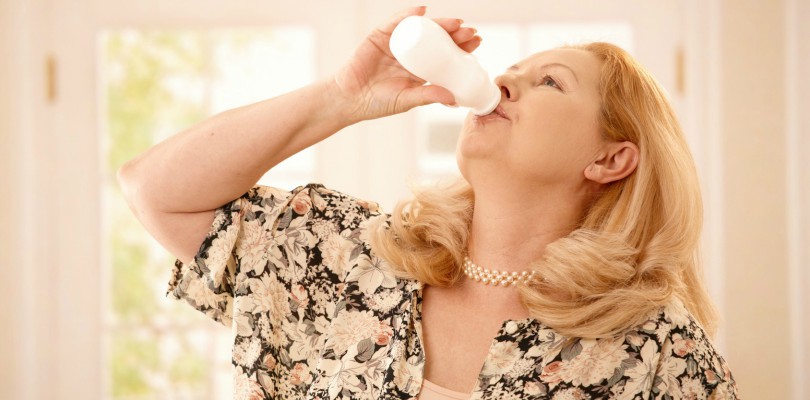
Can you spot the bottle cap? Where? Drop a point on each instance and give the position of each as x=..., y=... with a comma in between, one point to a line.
x=491, y=102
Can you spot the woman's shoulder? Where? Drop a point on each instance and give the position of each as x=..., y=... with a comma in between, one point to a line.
x=674, y=347
x=321, y=197
x=675, y=322
x=667, y=355
x=315, y=201
x=673, y=329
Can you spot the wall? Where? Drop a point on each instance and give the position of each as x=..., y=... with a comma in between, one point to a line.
x=755, y=197
x=797, y=86
x=24, y=242
x=9, y=244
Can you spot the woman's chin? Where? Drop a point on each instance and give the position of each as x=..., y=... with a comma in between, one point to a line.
x=475, y=145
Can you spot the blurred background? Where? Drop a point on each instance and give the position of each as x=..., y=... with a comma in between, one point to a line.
x=85, y=85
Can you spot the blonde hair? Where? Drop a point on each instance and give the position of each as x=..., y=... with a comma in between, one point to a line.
x=636, y=246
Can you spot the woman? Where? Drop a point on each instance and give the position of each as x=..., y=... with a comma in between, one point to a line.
x=579, y=196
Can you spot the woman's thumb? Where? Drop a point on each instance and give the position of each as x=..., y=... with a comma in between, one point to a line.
x=429, y=94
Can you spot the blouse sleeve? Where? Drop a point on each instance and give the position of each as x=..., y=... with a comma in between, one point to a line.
x=207, y=282
x=691, y=367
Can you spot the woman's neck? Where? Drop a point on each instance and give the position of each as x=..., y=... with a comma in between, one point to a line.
x=510, y=232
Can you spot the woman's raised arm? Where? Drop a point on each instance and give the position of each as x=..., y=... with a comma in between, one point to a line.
x=219, y=159
x=174, y=186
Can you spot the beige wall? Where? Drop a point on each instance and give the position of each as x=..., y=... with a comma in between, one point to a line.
x=9, y=245
x=799, y=145
x=18, y=340
x=766, y=162
x=754, y=150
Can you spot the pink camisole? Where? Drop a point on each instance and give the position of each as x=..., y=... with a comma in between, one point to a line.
x=432, y=391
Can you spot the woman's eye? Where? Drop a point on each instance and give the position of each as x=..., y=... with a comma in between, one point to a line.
x=546, y=79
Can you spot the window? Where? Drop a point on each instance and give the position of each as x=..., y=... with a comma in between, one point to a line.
x=153, y=85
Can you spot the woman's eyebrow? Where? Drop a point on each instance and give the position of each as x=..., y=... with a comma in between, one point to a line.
x=515, y=68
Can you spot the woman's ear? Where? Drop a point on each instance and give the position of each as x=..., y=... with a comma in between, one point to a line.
x=616, y=161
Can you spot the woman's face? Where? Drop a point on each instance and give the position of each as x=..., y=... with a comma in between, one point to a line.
x=547, y=131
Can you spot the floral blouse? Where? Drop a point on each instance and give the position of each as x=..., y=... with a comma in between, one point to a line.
x=316, y=314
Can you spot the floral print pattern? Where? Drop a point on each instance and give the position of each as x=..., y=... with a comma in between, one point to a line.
x=315, y=314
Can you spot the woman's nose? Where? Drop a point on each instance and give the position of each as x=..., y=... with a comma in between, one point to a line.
x=509, y=90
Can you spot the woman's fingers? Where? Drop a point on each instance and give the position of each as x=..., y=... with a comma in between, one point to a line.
x=426, y=94
x=470, y=45
x=463, y=34
x=464, y=37
x=389, y=26
x=449, y=24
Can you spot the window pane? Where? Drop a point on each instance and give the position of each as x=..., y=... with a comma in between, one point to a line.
x=155, y=84
x=503, y=46
x=254, y=65
x=251, y=66
x=150, y=362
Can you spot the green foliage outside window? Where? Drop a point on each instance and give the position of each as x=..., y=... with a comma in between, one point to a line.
x=154, y=85
x=149, y=353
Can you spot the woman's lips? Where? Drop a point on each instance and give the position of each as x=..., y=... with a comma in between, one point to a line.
x=498, y=114
x=501, y=112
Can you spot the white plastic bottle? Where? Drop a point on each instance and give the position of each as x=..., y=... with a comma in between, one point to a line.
x=426, y=50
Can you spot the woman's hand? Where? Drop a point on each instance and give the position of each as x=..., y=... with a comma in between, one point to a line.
x=377, y=85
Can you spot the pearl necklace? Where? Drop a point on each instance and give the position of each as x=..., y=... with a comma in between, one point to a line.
x=495, y=277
